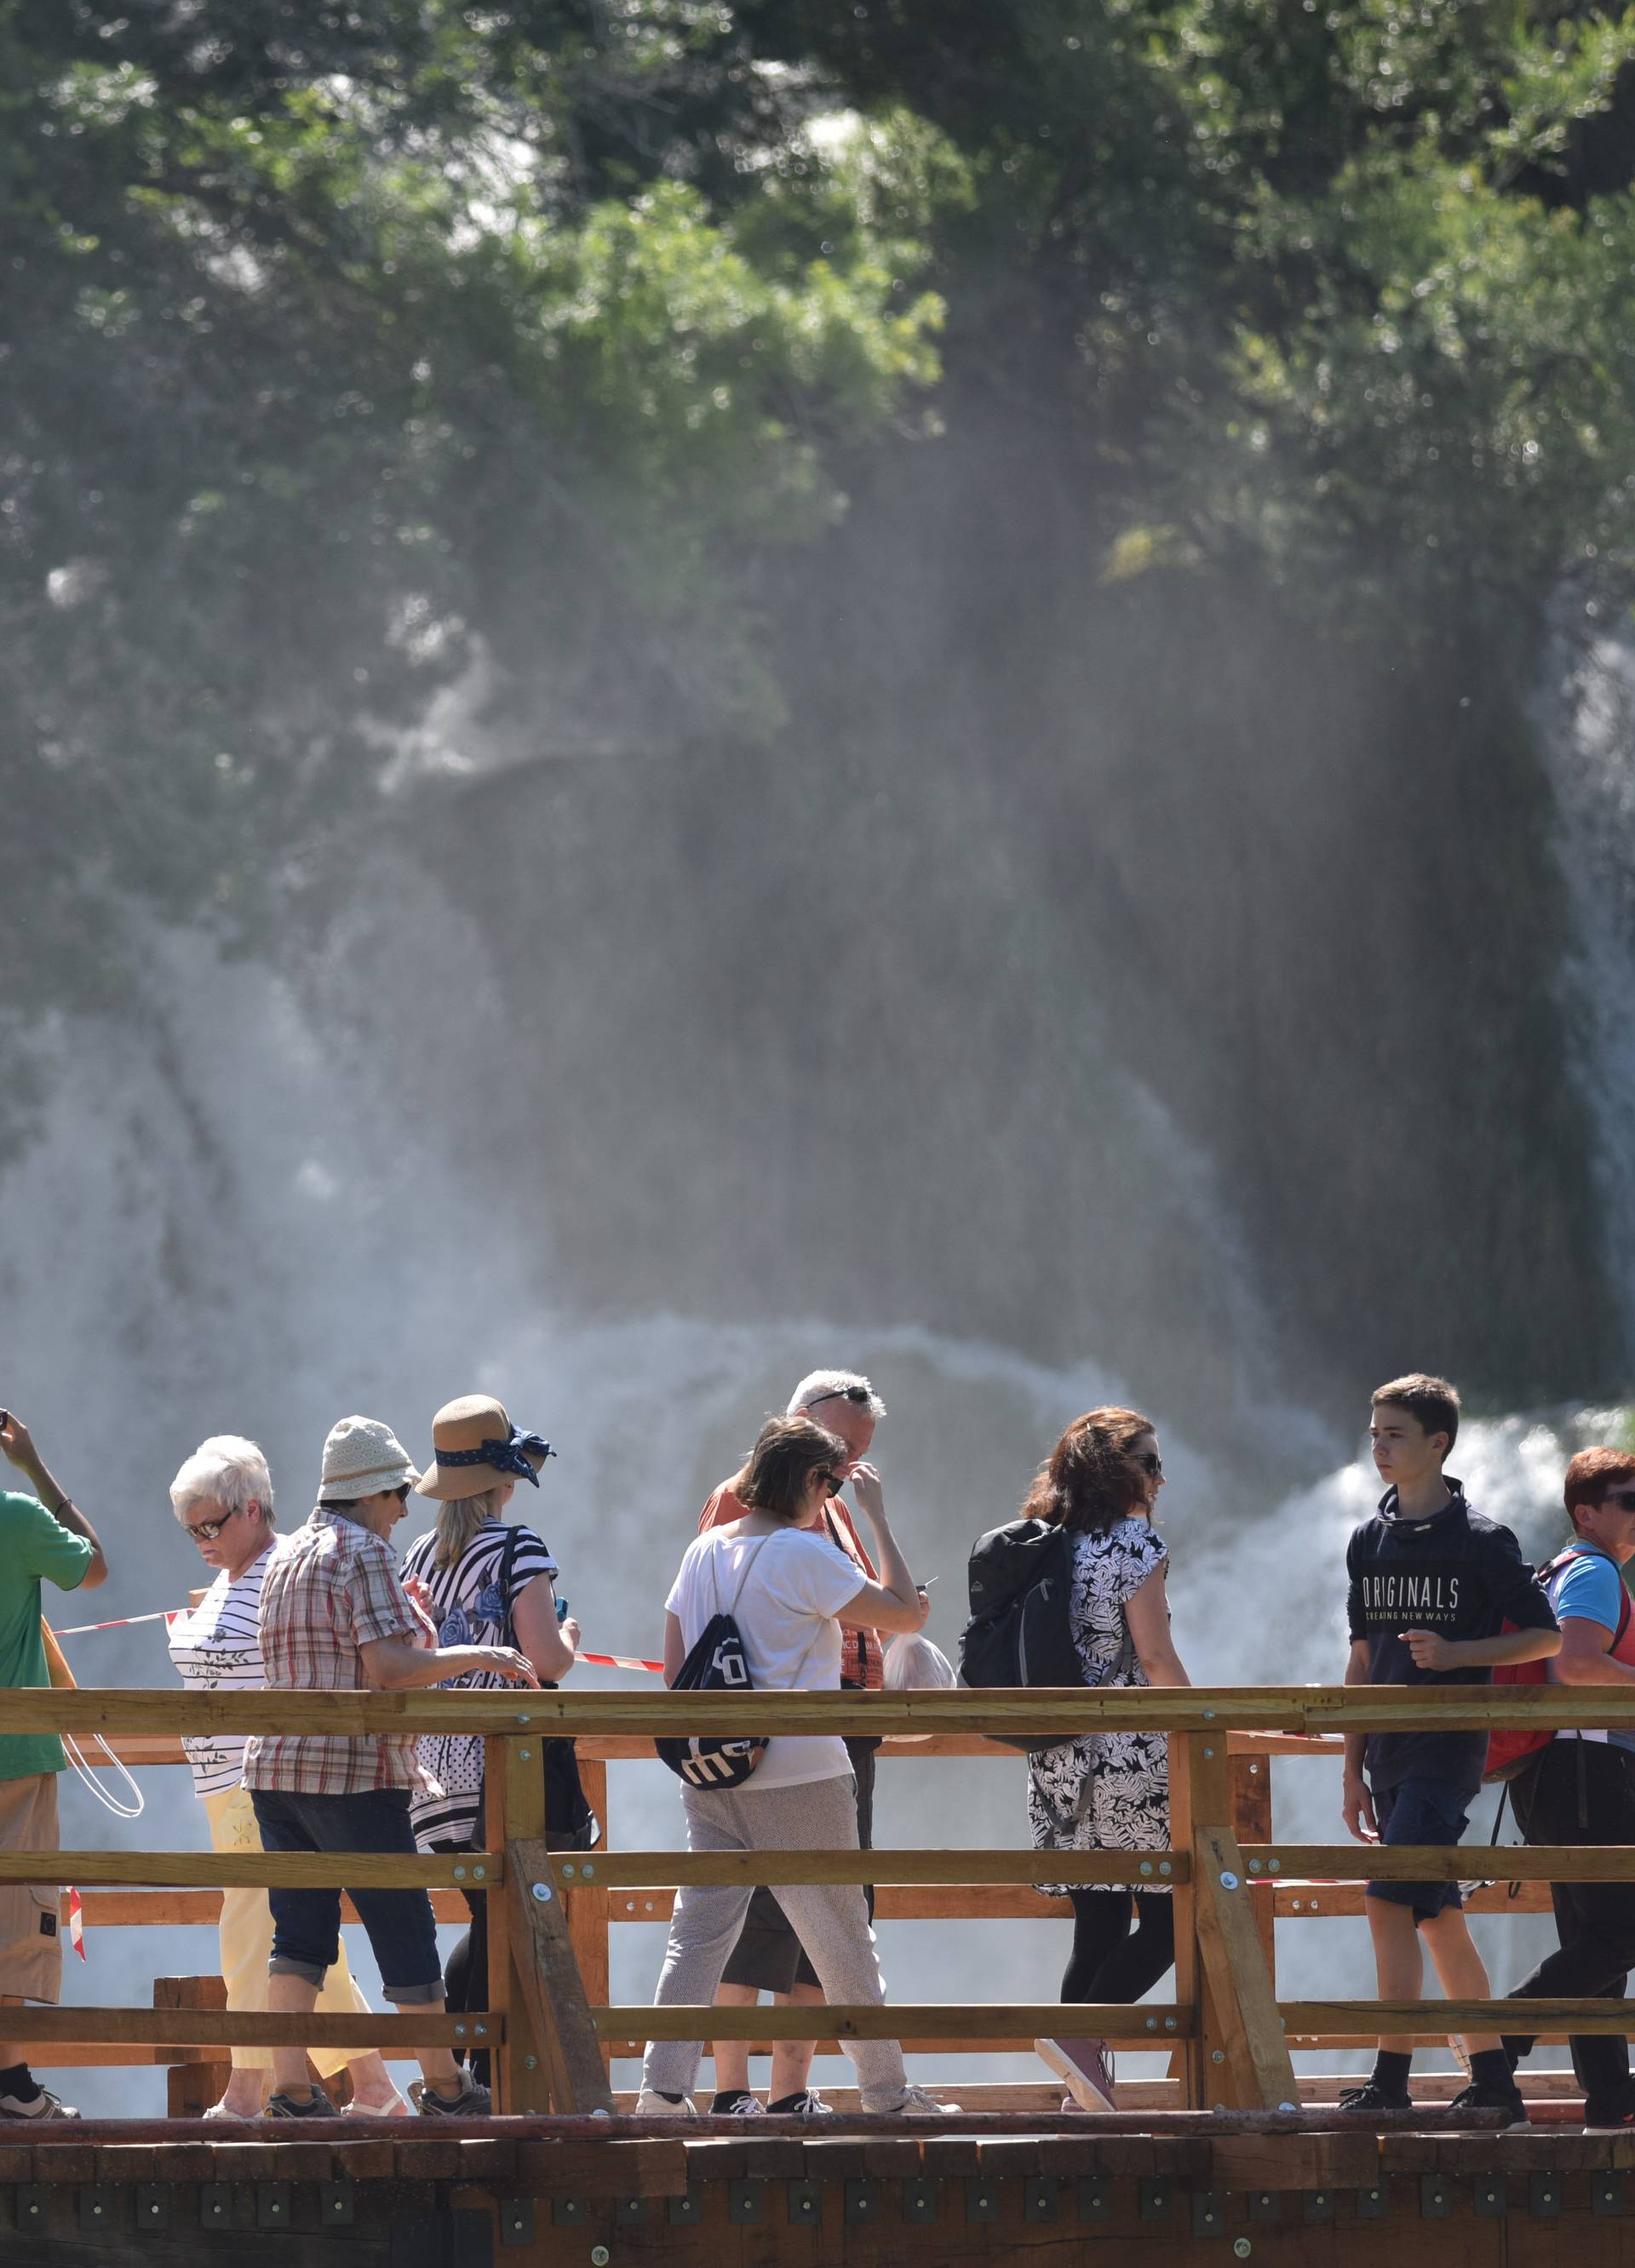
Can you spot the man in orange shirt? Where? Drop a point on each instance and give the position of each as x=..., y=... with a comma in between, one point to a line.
x=767, y=1957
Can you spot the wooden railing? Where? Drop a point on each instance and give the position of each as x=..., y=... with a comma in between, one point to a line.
x=549, y=2020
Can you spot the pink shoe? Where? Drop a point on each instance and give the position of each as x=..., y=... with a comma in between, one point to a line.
x=1086, y=2067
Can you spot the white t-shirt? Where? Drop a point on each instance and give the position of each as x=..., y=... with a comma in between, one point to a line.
x=786, y=1608
x=217, y=1649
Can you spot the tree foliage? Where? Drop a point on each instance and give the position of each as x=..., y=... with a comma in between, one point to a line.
x=343, y=344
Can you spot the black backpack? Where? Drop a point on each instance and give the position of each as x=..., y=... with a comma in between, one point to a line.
x=717, y=1664
x=1020, y=1579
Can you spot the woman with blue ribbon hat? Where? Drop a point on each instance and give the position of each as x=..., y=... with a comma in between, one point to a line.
x=477, y=1572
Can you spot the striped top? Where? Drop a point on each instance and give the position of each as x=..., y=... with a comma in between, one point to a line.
x=217, y=1649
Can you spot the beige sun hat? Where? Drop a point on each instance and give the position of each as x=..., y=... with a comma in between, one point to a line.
x=362, y=1457
x=475, y=1446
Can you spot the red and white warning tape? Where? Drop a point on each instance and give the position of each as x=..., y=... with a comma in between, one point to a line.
x=128, y=1622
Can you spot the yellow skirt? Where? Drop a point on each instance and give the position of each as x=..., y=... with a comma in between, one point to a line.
x=246, y=1936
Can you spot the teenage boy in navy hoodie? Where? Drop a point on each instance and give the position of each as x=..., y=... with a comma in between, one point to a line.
x=1432, y=1582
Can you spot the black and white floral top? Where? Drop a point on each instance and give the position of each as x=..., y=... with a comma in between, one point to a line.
x=1105, y=1790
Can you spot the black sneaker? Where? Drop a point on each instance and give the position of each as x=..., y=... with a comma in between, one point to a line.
x=1375, y=2097
x=737, y=2103
x=1479, y=2097
x=474, y=2101
x=317, y=2105
x=1610, y=2114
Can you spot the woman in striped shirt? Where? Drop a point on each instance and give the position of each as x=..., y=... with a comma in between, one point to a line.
x=222, y=1497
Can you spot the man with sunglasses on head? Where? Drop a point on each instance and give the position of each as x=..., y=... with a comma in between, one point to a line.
x=767, y=1957
x=1580, y=1787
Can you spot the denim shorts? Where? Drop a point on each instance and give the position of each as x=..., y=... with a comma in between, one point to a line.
x=306, y=1924
x=1425, y=1811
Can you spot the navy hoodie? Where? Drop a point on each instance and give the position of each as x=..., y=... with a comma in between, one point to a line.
x=1458, y=1574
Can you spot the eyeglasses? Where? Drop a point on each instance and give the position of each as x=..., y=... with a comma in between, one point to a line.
x=1150, y=1462
x=206, y=1531
x=860, y=1394
x=833, y=1482
x=1624, y=1499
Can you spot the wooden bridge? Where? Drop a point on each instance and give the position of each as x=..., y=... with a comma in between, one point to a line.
x=1230, y=2147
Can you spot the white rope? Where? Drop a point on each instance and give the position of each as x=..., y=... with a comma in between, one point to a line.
x=120, y=1808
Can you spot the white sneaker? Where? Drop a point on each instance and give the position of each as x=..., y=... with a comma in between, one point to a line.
x=911, y=2103
x=651, y=2104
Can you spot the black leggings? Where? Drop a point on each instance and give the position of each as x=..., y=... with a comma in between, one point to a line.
x=1107, y=1962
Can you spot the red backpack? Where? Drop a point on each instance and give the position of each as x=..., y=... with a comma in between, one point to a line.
x=1510, y=1751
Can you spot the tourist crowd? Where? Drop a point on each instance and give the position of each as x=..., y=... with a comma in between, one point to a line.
x=780, y=1591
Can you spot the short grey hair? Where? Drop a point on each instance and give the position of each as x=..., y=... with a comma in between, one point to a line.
x=819, y=1385
x=227, y=1470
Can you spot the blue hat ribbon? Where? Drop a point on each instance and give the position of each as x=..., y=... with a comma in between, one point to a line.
x=504, y=1456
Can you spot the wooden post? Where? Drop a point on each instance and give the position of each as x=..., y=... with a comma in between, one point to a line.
x=1251, y=1822
x=550, y=1986
x=520, y=1810
x=193, y=2085
x=587, y=1906
x=1240, y=2057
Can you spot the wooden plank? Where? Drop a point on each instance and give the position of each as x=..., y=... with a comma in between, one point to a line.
x=908, y=1901
x=1346, y=1900
x=1235, y=1962
x=638, y=1869
x=647, y=2166
x=1434, y=2020
x=110, y=1909
x=1062, y=1711
x=309, y=1870
x=552, y=1990
x=1297, y=2161
x=397, y=2034
x=929, y=2022
x=1404, y=1862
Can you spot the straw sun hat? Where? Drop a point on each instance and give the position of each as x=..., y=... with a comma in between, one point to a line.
x=475, y=1446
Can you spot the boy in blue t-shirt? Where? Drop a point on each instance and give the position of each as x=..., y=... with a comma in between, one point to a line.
x=1580, y=1787
x=1431, y=1585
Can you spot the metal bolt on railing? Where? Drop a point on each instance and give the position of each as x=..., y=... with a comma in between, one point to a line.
x=530, y=2063
x=1241, y=2246
x=526, y=1755
x=567, y=1872
x=1164, y=1866
x=479, y=1874
x=1152, y=2023
x=1219, y=2056
x=1228, y=1880
x=459, y=1874
x=599, y=2256
x=542, y=1893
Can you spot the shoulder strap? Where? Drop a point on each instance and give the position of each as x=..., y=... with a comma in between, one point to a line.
x=507, y=1561
x=738, y=1590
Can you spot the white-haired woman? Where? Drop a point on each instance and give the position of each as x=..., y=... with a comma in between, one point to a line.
x=223, y=1496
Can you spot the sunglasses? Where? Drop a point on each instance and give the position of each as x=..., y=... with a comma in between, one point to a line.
x=1624, y=1499
x=857, y=1394
x=1150, y=1462
x=206, y=1531
x=833, y=1482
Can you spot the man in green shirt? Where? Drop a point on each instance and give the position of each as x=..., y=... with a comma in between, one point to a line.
x=42, y=1537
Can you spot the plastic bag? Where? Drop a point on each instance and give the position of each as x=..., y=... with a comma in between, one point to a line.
x=912, y=1661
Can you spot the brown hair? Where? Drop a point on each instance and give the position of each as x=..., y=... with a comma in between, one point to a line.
x=787, y=1452
x=1092, y=1479
x=1432, y=1401
x=1592, y=1473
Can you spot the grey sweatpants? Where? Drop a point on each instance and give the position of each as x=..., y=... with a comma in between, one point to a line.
x=829, y=1918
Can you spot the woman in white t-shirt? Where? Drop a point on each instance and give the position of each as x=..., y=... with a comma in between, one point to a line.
x=789, y=1590
x=222, y=1497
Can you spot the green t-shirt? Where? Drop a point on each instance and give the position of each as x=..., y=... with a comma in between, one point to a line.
x=32, y=1546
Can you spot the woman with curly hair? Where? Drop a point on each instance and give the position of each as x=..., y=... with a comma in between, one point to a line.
x=1108, y=1791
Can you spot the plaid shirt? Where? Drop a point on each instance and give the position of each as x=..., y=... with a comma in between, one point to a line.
x=328, y=1594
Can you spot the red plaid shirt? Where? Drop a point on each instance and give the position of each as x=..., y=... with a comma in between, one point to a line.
x=330, y=1591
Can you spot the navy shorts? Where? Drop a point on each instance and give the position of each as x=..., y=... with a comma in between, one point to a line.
x=1425, y=1811
x=306, y=1924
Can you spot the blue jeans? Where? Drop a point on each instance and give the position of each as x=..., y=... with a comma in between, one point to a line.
x=306, y=1924
x=1425, y=1811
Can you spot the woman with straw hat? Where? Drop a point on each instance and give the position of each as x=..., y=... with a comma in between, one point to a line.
x=484, y=1580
